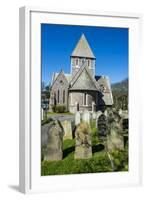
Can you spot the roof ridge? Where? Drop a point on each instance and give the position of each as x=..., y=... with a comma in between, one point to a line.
x=77, y=73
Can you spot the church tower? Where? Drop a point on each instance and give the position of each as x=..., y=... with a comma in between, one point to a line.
x=81, y=54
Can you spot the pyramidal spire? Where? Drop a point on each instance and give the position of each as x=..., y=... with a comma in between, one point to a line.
x=83, y=49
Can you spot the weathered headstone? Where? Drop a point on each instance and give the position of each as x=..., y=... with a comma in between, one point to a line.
x=97, y=116
x=124, y=114
x=67, y=129
x=106, y=113
x=99, y=113
x=77, y=118
x=52, y=141
x=83, y=147
x=94, y=115
x=120, y=112
x=93, y=106
x=86, y=116
x=125, y=123
x=102, y=126
x=115, y=140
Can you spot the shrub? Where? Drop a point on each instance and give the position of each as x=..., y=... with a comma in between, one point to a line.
x=60, y=109
x=54, y=108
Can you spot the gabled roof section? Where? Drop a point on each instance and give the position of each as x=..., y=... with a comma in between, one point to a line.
x=103, y=82
x=67, y=76
x=83, y=80
x=83, y=49
x=56, y=76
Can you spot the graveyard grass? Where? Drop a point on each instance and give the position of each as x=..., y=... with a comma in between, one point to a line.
x=98, y=163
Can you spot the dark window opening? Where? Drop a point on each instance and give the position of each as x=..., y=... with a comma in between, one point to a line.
x=63, y=96
x=85, y=98
x=58, y=96
x=54, y=98
x=83, y=60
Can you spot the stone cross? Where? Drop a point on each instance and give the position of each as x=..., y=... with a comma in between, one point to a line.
x=52, y=141
x=83, y=147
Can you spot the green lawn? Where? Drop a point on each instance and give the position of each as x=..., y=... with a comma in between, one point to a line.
x=98, y=163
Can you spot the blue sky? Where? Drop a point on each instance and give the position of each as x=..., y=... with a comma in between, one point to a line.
x=109, y=45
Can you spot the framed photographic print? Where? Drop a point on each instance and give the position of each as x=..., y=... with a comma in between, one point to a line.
x=79, y=106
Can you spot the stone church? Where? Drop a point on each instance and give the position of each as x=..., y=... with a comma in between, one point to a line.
x=81, y=89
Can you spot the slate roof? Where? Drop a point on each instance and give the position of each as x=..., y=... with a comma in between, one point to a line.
x=83, y=49
x=83, y=80
x=57, y=75
x=107, y=98
x=68, y=77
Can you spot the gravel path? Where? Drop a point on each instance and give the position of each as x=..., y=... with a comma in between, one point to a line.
x=62, y=117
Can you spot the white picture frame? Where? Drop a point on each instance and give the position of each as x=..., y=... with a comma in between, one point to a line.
x=29, y=160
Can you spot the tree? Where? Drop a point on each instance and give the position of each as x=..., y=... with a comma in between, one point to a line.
x=42, y=86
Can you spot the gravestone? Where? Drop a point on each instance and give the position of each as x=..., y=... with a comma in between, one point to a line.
x=115, y=140
x=86, y=117
x=106, y=113
x=94, y=115
x=93, y=106
x=52, y=141
x=99, y=113
x=120, y=112
x=77, y=118
x=83, y=148
x=67, y=129
x=102, y=126
x=97, y=116
x=125, y=123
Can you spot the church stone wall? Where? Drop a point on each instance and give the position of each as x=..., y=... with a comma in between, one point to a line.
x=60, y=85
x=78, y=97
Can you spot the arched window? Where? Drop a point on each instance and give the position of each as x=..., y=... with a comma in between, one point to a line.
x=83, y=60
x=77, y=61
x=63, y=96
x=58, y=96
